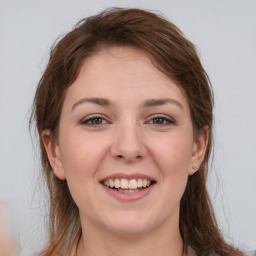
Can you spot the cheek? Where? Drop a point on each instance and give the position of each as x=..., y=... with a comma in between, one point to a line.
x=173, y=155
x=172, y=158
x=82, y=156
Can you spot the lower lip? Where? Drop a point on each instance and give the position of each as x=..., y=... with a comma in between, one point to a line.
x=128, y=196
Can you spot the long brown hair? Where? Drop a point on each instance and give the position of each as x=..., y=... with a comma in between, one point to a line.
x=171, y=53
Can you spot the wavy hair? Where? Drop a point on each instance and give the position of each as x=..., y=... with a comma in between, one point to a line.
x=172, y=54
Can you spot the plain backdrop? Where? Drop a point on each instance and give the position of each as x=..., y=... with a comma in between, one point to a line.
x=224, y=32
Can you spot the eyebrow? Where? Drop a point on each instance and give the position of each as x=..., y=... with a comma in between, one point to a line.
x=160, y=102
x=146, y=103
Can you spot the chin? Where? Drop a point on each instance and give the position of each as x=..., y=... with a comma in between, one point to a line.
x=128, y=230
x=129, y=225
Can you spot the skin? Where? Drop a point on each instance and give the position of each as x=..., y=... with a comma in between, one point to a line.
x=6, y=242
x=129, y=138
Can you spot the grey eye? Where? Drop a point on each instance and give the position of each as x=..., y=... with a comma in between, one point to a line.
x=96, y=120
x=159, y=120
x=93, y=121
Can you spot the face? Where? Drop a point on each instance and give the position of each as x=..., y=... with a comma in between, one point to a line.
x=125, y=143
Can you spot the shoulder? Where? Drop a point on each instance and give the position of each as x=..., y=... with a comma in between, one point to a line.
x=251, y=253
x=191, y=252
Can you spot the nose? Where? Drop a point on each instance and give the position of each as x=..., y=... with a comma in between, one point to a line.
x=128, y=144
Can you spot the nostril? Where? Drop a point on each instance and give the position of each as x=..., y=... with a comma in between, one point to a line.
x=121, y=156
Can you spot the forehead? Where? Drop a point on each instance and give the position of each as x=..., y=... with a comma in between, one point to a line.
x=119, y=72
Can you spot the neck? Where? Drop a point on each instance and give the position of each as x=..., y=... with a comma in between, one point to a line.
x=165, y=241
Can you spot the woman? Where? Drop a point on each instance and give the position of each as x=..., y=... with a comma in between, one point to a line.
x=124, y=115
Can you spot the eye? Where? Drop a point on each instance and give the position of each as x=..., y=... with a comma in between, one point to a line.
x=94, y=121
x=161, y=121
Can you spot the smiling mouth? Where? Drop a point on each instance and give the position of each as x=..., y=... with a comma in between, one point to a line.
x=128, y=186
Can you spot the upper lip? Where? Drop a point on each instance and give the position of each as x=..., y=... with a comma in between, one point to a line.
x=127, y=176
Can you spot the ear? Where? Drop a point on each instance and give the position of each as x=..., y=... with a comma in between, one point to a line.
x=53, y=153
x=199, y=149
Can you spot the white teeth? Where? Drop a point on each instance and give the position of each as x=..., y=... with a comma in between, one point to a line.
x=130, y=186
x=127, y=190
x=139, y=183
x=144, y=183
x=124, y=183
x=117, y=183
x=133, y=184
x=111, y=183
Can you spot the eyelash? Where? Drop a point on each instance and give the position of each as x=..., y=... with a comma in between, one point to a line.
x=167, y=121
x=91, y=118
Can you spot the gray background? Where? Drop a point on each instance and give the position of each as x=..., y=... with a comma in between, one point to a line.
x=225, y=33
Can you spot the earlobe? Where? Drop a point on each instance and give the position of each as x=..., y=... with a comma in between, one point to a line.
x=53, y=153
x=199, y=149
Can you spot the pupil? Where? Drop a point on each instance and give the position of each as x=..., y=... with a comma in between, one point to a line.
x=158, y=120
x=97, y=121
